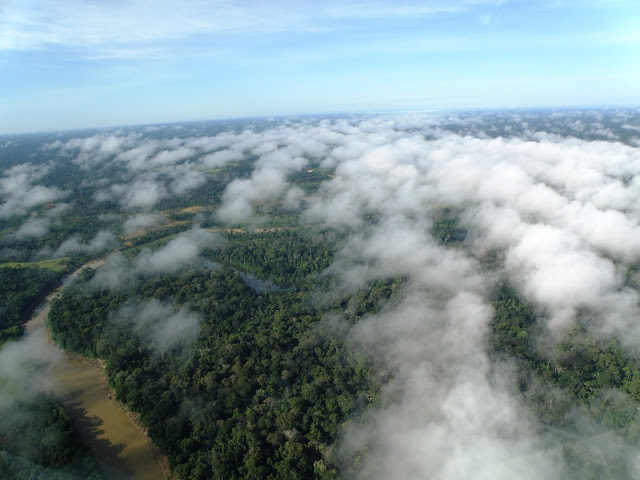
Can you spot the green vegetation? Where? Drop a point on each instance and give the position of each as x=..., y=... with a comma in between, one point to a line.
x=38, y=441
x=54, y=264
x=446, y=227
x=21, y=290
x=263, y=393
x=286, y=256
x=580, y=376
x=271, y=381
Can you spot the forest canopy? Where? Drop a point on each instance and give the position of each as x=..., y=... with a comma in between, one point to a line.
x=400, y=296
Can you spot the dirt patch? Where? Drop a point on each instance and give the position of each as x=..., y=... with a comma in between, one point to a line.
x=192, y=209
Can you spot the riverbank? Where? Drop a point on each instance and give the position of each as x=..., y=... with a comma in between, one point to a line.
x=161, y=459
x=119, y=442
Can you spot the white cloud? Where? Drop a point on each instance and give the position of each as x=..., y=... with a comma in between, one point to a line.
x=143, y=192
x=102, y=242
x=168, y=157
x=23, y=367
x=175, y=255
x=185, y=178
x=143, y=220
x=160, y=324
x=220, y=158
x=18, y=192
x=34, y=227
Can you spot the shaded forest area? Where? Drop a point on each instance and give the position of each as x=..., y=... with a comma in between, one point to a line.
x=21, y=290
x=38, y=441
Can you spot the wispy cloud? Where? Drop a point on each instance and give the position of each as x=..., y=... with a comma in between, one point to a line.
x=18, y=192
x=160, y=324
x=139, y=27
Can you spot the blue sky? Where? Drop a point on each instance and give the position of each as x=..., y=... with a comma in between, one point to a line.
x=73, y=64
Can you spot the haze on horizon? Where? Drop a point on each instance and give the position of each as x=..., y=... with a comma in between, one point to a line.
x=77, y=64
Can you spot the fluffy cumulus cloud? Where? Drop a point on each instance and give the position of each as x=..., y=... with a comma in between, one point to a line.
x=34, y=227
x=174, y=165
x=185, y=178
x=135, y=150
x=115, y=275
x=180, y=252
x=37, y=226
x=564, y=213
x=264, y=184
x=168, y=157
x=144, y=220
x=221, y=157
x=19, y=193
x=452, y=414
x=101, y=242
x=141, y=193
x=161, y=324
x=281, y=152
x=549, y=204
x=24, y=367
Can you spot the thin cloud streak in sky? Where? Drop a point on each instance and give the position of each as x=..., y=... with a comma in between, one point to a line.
x=78, y=24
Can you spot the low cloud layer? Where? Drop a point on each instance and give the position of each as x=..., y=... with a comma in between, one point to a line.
x=160, y=324
x=101, y=242
x=38, y=226
x=24, y=368
x=159, y=167
x=19, y=193
x=452, y=417
x=180, y=252
x=562, y=210
x=137, y=222
x=555, y=194
x=564, y=213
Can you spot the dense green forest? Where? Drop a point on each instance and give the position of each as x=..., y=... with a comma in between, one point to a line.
x=266, y=389
x=235, y=381
x=269, y=384
x=38, y=441
x=286, y=256
x=21, y=291
x=262, y=393
x=582, y=376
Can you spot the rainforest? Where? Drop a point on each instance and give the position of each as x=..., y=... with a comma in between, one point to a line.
x=366, y=296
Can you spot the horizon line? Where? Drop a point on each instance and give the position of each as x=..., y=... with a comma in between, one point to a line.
x=440, y=110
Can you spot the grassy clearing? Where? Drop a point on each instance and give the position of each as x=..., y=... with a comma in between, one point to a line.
x=54, y=264
x=192, y=209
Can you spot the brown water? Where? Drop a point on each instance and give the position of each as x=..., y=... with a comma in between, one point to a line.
x=122, y=451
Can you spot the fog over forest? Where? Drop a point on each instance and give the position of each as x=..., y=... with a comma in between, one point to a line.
x=546, y=202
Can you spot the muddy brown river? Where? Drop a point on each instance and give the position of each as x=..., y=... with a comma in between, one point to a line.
x=122, y=451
